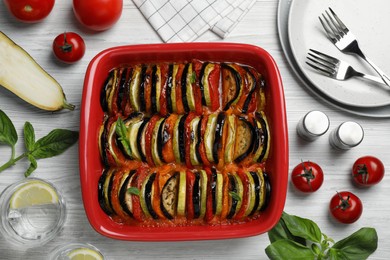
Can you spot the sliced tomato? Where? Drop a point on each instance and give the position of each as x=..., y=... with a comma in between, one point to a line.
x=197, y=66
x=214, y=80
x=189, y=195
x=225, y=197
x=167, y=142
x=142, y=174
x=116, y=205
x=178, y=89
x=200, y=146
x=148, y=139
x=164, y=68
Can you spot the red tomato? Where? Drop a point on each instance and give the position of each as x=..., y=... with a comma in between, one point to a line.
x=98, y=15
x=69, y=47
x=346, y=207
x=307, y=176
x=29, y=11
x=368, y=171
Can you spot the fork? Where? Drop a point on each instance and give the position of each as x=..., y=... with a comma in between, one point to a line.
x=335, y=68
x=345, y=41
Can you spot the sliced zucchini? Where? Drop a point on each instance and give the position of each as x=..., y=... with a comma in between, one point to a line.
x=184, y=88
x=195, y=160
x=251, y=79
x=133, y=128
x=257, y=186
x=251, y=194
x=190, y=91
x=169, y=196
x=146, y=196
x=156, y=88
x=111, y=139
x=105, y=186
x=216, y=191
x=181, y=197
x=134, y=93
x=24, y=77
x=265, y=138
x=230, y=138
x=205, y=73
x=244, y=139
x=209, y=136
x=203, y=193
x=141, y=139
x=235, y=201
x=112, y=90
x=133, y=117
x=173, y=90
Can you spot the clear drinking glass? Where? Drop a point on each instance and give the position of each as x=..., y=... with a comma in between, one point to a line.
x=66, y=252
x=32, y=212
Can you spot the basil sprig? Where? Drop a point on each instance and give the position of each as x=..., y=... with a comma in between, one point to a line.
x=54, y=143
x=300, y=238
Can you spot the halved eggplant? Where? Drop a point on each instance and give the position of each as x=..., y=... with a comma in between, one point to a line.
x=124, y=196
x=209, y=136
x=169, y=196
x=134, y=92
x=218, y=139
x=146, y=196
x=244, y=139
x=231, y=85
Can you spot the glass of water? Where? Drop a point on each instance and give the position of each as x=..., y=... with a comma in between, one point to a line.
x=32, y=212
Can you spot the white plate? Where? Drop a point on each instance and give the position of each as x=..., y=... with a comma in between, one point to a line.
x=368, y=20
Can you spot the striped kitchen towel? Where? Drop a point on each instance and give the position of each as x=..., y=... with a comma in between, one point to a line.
x=186, y=20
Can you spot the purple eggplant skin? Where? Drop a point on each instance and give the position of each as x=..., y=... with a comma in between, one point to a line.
x=140, y=136
x=148, y=195
x=175, y=176
x=237, y=80
x=232, y=188
x=213, y=184
x=182, y=136
x=142, y=88
x=103, y=93
x=268, y=190
x=103, y=198
x=264, y=136
x=196, y=195
x=217, y=146
x=123, y=191
x=160, y=140
x=169, y=89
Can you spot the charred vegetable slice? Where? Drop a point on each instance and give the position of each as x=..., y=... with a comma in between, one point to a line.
x=23, y=76
x=169, y=196
x=244, y=139
x=124, y=195
x=106, y=90
x=176, y=139
x=105, y=188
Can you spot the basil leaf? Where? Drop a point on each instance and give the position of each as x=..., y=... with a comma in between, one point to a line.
x=56, y=142
x=121, y=131
x=33, y=166
x=29, y=136
x=280, y=231
x=8, y=133
x=133, y=190
x=287, y=249
x=302, y=227
x=234, y=195
x=359, y=245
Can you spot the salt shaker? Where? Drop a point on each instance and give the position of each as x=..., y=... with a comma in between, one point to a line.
x=313, y=125
x=347, y=135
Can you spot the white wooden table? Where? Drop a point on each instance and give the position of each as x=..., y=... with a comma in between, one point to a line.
x=258, y=28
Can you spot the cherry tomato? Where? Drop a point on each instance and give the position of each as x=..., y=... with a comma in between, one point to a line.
x=97, y=15
x=29, y=11
x=368, y=171
x=307, y=176
x=69, y=47
x=346, y=207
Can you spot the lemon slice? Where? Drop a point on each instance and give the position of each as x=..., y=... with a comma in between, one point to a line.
x=84, y=254
x=33, y=193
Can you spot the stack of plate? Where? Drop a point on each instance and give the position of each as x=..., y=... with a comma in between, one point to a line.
x=300, y=30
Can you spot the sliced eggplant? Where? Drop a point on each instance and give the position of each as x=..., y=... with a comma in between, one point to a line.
x=235, y=201
x=161, y=141
x=103, y=142
x=146, y=196
x=175, y=142
x=141, y=139
x=184, y=88
x=175, y=70
x=156, y=88
x=194, y=156
x=24, y=77
x=142, y=87
x=218, y=139
x=251, y=79
x=179, y=139
x=231, y=85
x=134, y=92
x=169, y=196
x=257, y=186
x=266, y=192
x=196, y=195
x=111, y=142
x=264, y=138
x=125, y=196
x=106, y=90
x=105, y=188
x=169, y=88
x=121, y=88
x=244, y=139
x=209, y=136
x=156, y=155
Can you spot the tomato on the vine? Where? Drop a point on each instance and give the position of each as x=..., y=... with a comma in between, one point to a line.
x=29, y=11
x=98, y=15
x=346, y=207
x=307, y=176
x=69, y=47
x=368, y=171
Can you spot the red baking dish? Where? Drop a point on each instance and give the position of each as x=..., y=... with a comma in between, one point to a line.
x=92, y=116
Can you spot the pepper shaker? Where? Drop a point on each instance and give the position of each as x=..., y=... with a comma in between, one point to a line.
x=313, y=125
x=347, y=135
